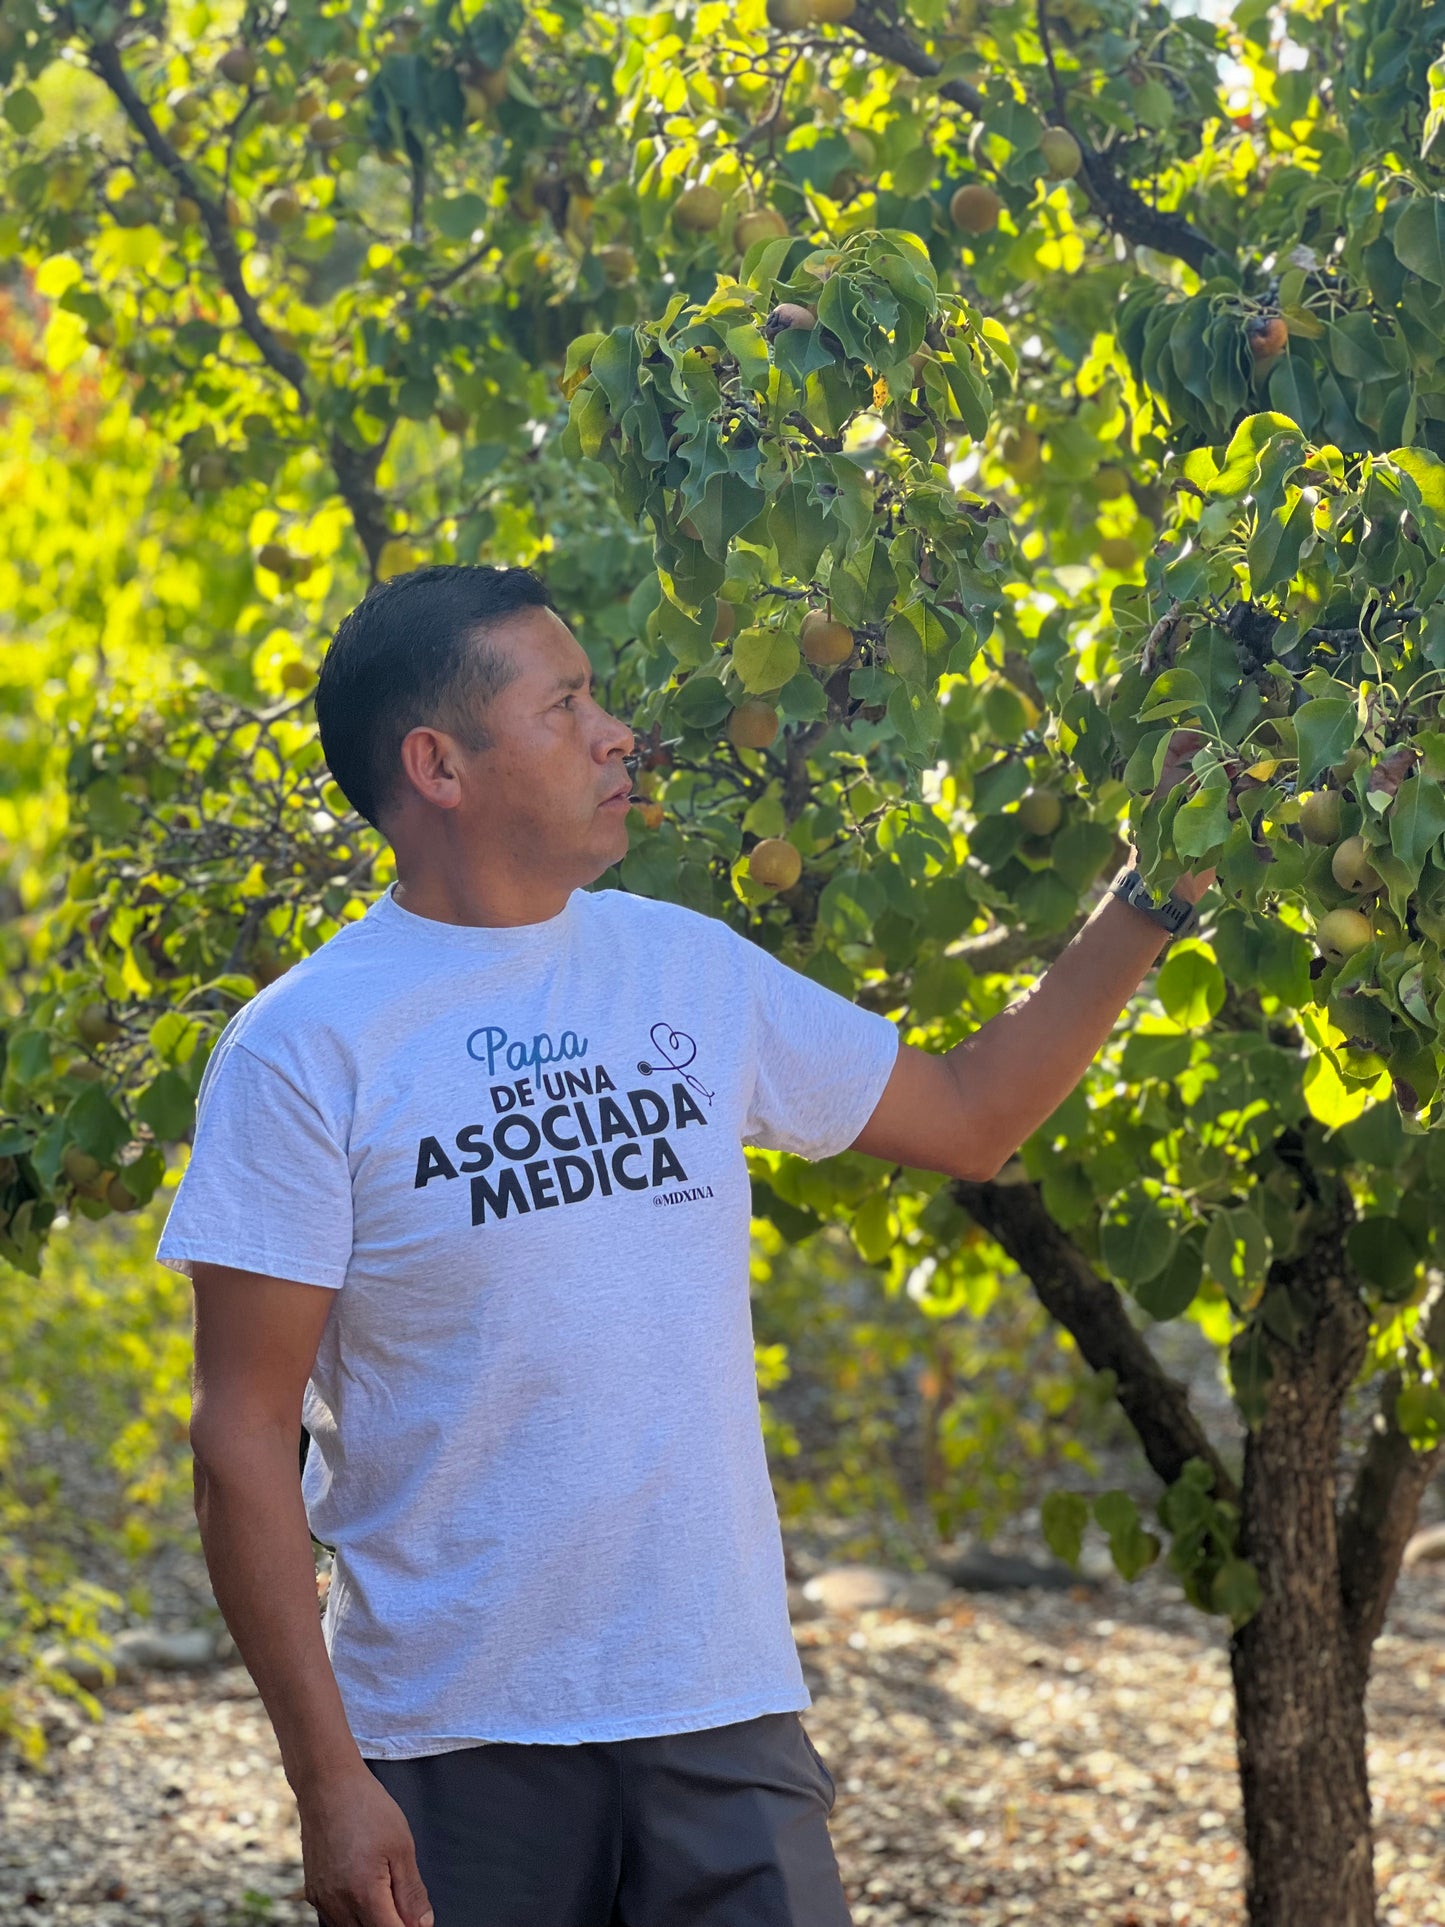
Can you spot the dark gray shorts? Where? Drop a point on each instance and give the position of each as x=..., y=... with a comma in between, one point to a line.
x=727, y=1827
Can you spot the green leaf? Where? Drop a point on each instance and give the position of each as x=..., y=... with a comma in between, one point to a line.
x=1417, y=820
x=1360, y=354
x=1191, y=986
x=1171, y=693
x=1235, y=1591
x=166, y=1104
x=1132, y=1547
x=872, y=1229
x=1274, y=548
x=1419, y=238
x=1283, y=967
x=1136, y=1238
x=1325, y=727
x=1292, y=390
x=1385, y=1256
x=23, y=110
x=799, y=529
x=1242, y=458
x=1427, y=472
x=1237, y=1250
x=1064, y=1515
x=915, y=714
x=27, y=1057
x=1202, y=822
x=765, y=659
x=458, y=216
x=728, y=505
x=802, y=699
x=1173, y=1291
x=96, y=1125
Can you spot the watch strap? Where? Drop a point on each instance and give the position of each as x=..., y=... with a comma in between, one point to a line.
x=1173, y=913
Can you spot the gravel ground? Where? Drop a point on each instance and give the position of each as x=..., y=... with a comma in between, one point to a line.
x=1062, y=1758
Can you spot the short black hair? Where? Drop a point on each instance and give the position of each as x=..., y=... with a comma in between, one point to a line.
x=412, y=652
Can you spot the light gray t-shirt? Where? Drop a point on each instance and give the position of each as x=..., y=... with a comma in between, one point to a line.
x=516, y=1155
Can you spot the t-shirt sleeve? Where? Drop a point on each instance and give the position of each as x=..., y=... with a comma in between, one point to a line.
x=267, y=1187
x=820, y=1062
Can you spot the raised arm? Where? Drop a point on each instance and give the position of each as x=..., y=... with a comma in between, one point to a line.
x=966, y=1111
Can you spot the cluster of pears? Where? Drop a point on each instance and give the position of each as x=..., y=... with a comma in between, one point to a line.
x=824, y=642
x=974, y=208
x=1340, y=933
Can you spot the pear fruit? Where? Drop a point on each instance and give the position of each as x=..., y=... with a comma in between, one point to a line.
x=119, y=1196
x=788, y=314
x=823, y=641
x=95, y=1025
x=1341, y=933
x=1109, y=481
x=1351, y=868
x=775, y=863
x=697, y=210
x=1040, y=812
x=1349, y=763
x=788, y=15
x=1321, y=816
x=975, y=208
x=282, y=208
x=79, y=1166
x=753, y=724
x=758, y=224
x=1062, y=154
x=1267, y=336
x=618, y=264
x=238, y=65
x=725, y=623
x=1118, y=552
x=1021, y=452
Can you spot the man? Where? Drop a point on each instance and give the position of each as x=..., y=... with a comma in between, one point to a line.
x=468, y=1198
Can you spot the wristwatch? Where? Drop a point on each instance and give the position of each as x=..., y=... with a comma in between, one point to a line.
x=1179, y=917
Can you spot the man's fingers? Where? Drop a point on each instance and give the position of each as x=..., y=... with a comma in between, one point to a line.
x=409, y=1892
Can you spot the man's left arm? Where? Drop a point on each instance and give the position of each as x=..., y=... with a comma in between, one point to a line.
x=966, y=1111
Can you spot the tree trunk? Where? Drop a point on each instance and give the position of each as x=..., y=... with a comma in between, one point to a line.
x=1299, y=1692
x=1299, y=1672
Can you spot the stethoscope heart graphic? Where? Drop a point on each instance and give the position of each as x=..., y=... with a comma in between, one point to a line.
x=666, y=1040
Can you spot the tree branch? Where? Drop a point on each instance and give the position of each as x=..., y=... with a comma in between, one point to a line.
x=1121, y=207
x=355, y=468
x=1093, y=1313
x=1383, y=1504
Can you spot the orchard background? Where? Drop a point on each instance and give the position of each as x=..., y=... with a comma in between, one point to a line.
x=968, y=440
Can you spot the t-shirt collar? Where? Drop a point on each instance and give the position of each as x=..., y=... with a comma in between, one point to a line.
x=488, y=940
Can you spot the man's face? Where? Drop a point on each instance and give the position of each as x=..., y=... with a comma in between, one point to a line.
x=542, y=797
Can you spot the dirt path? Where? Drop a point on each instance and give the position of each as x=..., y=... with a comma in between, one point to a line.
x=1064, y=1759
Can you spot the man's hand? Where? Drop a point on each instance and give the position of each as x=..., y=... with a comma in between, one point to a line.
x=359, y=1857
x=1183, y=745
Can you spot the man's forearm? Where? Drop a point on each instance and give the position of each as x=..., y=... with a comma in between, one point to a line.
x=1015, y=1070
x=263, y=1572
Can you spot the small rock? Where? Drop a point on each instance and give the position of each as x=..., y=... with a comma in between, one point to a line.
x=1425, y=1547
x=976, y=1569
x=854, y=1589
x=130, y=1652
x=923, y=1592
x=800, y=1606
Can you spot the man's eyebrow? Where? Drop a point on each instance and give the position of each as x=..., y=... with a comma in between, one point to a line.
x=578, y=681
